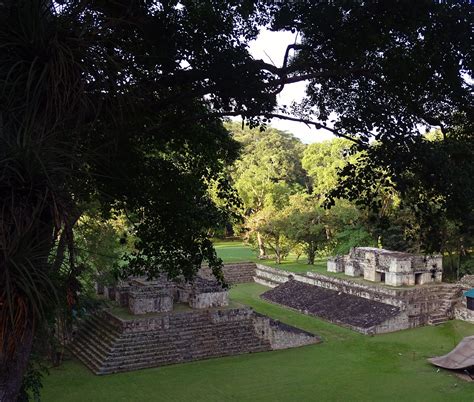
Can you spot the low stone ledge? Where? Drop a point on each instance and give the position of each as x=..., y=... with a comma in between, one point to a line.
x=281, y=335
x=234, y=273
x=464, y=314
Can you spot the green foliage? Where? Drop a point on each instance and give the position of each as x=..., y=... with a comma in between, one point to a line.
x=433, y=189
x=269, y=168
x=33, y=381
x=120, y=103
x=306, y=223
x=323, y=160
x=270, y=224
x=347, y=227
x=101, y=244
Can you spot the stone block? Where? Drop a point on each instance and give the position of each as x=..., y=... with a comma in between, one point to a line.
x=353, y=269
x=150, y=300
x=400, y=265
x=207, y=300
x=335, y=264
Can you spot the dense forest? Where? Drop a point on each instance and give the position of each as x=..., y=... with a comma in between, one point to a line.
x=284, y=202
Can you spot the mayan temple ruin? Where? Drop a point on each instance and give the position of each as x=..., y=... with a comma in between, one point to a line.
x=161, y=322
x=393, y=268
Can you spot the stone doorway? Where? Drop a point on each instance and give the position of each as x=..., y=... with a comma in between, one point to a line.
x=418, y=279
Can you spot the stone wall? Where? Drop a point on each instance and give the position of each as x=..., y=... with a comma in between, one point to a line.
x=207, y=300
x=241, y=272
x=394, y=268
x=150, y=300
x=462, y=313
x=280, y=335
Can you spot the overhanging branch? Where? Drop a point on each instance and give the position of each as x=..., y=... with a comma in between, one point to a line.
x=308, y=122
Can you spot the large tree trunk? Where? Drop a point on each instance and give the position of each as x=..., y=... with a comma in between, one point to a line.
x=13, y=365
x=311, y=253
x=262, y=252
x=277, y=251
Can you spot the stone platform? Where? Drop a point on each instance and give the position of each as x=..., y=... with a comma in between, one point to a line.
x=363, y=315
x=109, y=344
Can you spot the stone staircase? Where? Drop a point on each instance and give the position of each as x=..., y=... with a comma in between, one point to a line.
x=107, y=348
x=447, y=296
x=270, y=277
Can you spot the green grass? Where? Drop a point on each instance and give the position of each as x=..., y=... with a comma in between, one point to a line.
x=347, y=366
x=235, y=251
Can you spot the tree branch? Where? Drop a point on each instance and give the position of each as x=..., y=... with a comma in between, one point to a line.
x=308, y=122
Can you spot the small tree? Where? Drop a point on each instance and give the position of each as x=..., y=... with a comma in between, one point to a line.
x=305, y=223
x=270, y=225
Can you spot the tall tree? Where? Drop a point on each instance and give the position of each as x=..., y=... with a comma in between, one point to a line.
x=323, y=161
x=267, y=172
x=114, y=102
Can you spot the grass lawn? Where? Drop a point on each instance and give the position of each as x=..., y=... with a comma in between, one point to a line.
x=347, y=366
x=235, y=251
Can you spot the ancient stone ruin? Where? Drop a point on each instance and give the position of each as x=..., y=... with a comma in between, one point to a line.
x=393, y=268
x=142, y=296
x=173, y=322
x=464, y=310
x=155, y=332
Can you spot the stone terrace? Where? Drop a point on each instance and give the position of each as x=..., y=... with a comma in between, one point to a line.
x=348, y=310
x=109, y=344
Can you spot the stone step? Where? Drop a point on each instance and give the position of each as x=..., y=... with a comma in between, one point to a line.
x=133, y=350
x=266, y=282
x=105, y=348
x=179, y=356
x=101, y=343
x=156, y=363
x=83, y=357
x=102, y=320
x=95, y=328
x=136, y=347
x=438, y=321
x=91, y=347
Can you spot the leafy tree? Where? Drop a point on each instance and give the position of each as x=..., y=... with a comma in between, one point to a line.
x=432, y=189
x=349, y=227
x=306, y=223
x=323, y=160
x=270, y=224
x=267, y=172
x=106, y=101
x=380, y=70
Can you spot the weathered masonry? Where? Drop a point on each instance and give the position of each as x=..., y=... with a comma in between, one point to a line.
x=393, y=268
x=177, y=321
x=417, y=305
x=142, y=297
x=464, y=310
x=107, y=343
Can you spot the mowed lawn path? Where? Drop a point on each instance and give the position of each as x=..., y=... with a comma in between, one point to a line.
x=235, y=251
x=346, y=367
